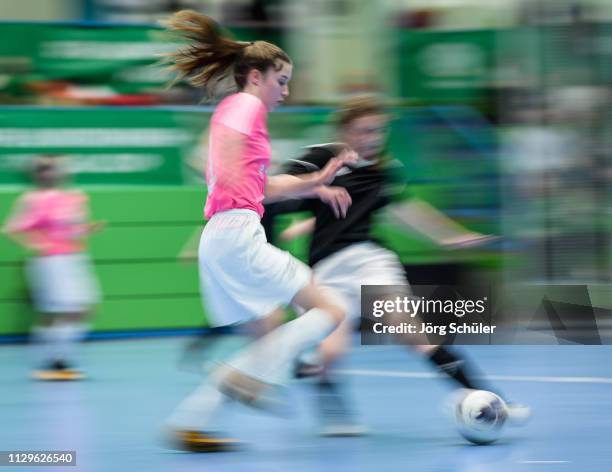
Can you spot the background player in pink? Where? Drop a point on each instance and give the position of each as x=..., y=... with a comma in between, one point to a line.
x=243, y=277
x=52, y=222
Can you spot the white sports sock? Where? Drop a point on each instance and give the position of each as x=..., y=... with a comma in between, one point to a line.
x=271, y=358
x=311, y=357
x=68, y=337
x=57, y=342
x=197, y=411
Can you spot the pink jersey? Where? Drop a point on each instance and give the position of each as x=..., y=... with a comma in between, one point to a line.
x=53, y=220
x=243, y=187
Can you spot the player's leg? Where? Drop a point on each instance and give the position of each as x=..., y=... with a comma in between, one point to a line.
x=269, y=361
x=454, y=364
x=245, y=278
x=383, y=268
x=193, y=425
x=340, y=274
x=78, y=293
x=335, y=412
x=345, y=272
x=63, y=290
x=464, y=374
x=43, y=337
x=57, y=342
x=204, y=348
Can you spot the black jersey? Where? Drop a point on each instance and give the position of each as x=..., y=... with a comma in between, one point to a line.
x=370, y=185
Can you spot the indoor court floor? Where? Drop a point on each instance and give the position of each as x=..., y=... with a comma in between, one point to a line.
x=113, y=420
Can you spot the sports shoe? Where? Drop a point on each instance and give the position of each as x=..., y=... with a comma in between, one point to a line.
x=199, y=441
x=58, y=370
x=518, y=414
x=336, y=418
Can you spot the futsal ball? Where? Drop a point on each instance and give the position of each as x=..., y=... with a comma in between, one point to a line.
x=481, y=416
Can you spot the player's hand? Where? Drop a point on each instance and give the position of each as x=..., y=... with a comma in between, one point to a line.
x=348, y=156
x=328, y=173
x=337, y=198
x=468, y=240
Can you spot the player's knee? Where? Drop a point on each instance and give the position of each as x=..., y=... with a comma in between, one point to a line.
x=311, y=297
x=332, y=349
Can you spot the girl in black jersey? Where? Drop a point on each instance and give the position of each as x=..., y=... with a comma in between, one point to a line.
x=344, y=254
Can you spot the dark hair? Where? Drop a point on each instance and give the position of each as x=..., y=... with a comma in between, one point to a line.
x=43, y=164
x=358, y=106
x=212, y=56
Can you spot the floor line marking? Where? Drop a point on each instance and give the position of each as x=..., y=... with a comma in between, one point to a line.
x=543, y=462
x=503, y=378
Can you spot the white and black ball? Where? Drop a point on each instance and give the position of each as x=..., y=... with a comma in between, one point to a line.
x=481, y=416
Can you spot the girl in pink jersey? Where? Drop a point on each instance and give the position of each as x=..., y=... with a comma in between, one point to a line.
x=52, y=223
x=243, y=277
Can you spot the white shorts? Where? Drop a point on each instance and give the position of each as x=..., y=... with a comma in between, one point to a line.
x=63, y=283
x=242, y=276
x=342, y=274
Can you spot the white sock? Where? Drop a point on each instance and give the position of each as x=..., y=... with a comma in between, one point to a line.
x=311, y=357
x=271, y=358
x=197, y=411
x=68, y=337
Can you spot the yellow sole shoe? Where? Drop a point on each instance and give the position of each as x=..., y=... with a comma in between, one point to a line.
x=58, y=375
x=196, y=441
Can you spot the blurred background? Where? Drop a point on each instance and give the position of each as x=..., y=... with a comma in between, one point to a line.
x=500, y=116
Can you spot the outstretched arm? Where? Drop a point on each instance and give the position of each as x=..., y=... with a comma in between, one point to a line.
x=284, y=186
x=21, y=224
x=435, y=225
x=314, y=185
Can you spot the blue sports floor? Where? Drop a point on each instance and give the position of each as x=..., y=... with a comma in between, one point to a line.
x=113, y=419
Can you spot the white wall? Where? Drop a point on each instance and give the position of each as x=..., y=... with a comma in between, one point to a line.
x=40, y=10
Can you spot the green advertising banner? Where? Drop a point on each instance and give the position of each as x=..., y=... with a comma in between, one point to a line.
x=133, y=146
x=122, y=58
x=446, y=66
x=451, y=146
x=101, y=145
x=463, y=67
x=433, y=67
